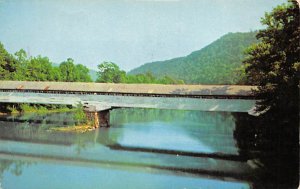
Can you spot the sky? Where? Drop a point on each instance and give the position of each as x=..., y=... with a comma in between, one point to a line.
x=127, y=32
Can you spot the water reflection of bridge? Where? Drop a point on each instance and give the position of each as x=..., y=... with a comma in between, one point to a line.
x=107, y=157
x=207, y=132
x=102, y=97
x=107, y=167
x=104, y=147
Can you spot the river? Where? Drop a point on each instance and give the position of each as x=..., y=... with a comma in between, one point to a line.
x=145, y=149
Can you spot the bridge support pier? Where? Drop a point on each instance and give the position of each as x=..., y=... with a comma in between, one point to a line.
x=98, y=118
x=98, y=115
x=103, y=118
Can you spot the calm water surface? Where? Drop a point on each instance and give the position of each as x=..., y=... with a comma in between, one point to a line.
x=143, y=148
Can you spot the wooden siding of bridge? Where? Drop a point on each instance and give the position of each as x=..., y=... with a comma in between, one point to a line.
x=213, y=90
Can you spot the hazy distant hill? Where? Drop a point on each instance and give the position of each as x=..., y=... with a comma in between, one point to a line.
x=93, y=74
x=213, y=64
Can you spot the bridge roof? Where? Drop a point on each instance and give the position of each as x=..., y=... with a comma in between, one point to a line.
x=218, y=90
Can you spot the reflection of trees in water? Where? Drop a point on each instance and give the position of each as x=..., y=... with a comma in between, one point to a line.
x=212, y=129
x=83, y=141
x=209, y=122
x=13, y=166
x=272, y=140
x=58, y=119
x=126, y=115
x=35, y=128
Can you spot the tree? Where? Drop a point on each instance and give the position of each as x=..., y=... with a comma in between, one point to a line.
x=82, y=74
x=39, y=69
x=56, y=74
x=21, y=65
x=110, y=72
x=7, y=64
x=34, y=68
x=68, y=70
x=274, y=63
x=71, y=72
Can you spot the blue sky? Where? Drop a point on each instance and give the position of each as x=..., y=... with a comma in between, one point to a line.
x=127, y=32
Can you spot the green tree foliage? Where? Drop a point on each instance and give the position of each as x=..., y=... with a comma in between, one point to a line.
x=217, y=63
x=39, y=69
x=56, y=72
x=274, y=63
x=79, y=116
x=111, y=73
x=34, y=68
x=67, y=69
x=7, y=64
x=71, y=72
x=82, y=73
x=22, y=67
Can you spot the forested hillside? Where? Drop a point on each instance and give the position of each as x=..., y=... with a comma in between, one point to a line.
x=110, y=72
x=218, y=63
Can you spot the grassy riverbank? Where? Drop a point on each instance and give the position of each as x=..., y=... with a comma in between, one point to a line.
x=26, y=108
x=6, y=109
x=81, y=122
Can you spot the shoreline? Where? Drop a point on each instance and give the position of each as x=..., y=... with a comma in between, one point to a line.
x=73, y=129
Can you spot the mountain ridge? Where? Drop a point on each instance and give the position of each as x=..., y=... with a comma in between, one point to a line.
x=215, y=63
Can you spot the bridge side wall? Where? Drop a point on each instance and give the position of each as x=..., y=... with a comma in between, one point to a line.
x=107, y=101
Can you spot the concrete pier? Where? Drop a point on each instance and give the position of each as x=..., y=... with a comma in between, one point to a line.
x=103, y=118
x=99, y=118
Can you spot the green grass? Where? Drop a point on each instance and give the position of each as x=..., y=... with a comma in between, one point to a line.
x=39, y=109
